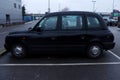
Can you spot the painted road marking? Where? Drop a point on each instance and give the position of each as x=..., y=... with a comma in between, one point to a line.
x=61, y=64
x=31, y=22
x=2, y=50
x=114, y=54
x=67, y=64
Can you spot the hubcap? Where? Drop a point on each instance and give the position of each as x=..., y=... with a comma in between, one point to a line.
x=95, y=50
x=18, y=50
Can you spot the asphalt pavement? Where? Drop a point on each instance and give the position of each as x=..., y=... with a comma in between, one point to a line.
x=62, y=67
x=116, y=32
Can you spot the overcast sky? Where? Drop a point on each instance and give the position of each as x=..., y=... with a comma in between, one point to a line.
x=41, y=6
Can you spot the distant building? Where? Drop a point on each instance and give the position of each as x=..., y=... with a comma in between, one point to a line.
x=112, y=15
x=105, y=15
x=10, y=11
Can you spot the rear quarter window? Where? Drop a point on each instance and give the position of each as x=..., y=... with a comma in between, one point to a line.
x=93, y=22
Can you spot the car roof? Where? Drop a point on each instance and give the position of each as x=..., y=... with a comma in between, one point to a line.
x=70, y=12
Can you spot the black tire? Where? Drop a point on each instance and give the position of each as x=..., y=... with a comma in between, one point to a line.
x=94, y=50
x=18, y=51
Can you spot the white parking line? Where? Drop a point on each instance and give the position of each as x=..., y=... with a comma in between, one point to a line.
x=62, y=64
x=65, y=64
x=114, y=54
x=2, y=50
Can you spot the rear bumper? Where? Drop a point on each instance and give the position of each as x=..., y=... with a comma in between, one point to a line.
x=109, y=45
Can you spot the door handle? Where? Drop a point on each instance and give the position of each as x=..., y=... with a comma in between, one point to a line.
x=53, y=38
x=83, y=37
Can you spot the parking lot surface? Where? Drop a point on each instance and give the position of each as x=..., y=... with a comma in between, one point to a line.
x=63, y=67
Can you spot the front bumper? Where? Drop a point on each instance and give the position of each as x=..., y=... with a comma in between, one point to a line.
x=6, y=47
x=109, y=45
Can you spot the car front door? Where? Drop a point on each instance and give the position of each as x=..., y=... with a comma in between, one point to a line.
x=44, y=36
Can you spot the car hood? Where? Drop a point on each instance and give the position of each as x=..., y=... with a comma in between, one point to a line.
x=21, y=33
x=18, y=32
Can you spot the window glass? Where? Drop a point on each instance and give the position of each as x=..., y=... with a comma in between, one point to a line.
x=15, y=5
x=93, y=22
x=71, y=22
x=48, y=23
x=19, y=6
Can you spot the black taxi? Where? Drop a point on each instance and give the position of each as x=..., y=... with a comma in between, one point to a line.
x=60, y=31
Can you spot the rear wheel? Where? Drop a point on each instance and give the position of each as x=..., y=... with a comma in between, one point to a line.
x=94, y=50
x=18, y=51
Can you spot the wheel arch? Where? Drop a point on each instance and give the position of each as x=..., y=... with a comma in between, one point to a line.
x=94, y=42
x=20, y=42
x=98, y=41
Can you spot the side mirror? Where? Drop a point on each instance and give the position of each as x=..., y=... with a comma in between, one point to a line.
x=38, y=29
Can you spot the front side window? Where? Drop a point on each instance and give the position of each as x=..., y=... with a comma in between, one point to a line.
x=48, y=23
x=72, y=22
x=93, y=22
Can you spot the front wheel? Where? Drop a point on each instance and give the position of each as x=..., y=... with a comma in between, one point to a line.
x=18, y=51
x=94, y=50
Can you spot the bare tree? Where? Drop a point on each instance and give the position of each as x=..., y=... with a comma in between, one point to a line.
x=65, y=9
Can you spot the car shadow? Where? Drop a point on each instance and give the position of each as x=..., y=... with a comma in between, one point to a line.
x=57, y=55
x=57, y=58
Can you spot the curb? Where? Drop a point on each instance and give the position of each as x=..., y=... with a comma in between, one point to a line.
x=2, y=50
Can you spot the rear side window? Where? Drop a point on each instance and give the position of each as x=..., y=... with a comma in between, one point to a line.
x=72, y=22
x=93, y=22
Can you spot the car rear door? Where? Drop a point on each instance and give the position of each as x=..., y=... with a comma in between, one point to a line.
x=71, y=33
